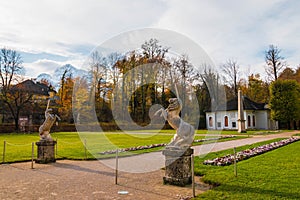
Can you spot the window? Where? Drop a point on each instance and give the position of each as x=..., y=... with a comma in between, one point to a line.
x=253, y=120
x=219, y=124
x=210, y=122
x=226, y=121
x=249, y=120
x=233, y=124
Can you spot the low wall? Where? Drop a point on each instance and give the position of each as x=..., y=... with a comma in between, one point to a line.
x=10, y=128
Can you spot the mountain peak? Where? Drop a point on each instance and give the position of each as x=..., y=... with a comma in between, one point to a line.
x=54, y=78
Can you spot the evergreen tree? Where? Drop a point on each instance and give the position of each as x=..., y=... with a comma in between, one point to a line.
x=284, y=101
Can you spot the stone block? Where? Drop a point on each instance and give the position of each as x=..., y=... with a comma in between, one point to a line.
x=178, y=166
x=45, y=151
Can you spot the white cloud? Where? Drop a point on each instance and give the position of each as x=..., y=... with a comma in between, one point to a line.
x=241, y=30
x=47, y=66
x=43, y=25
x=40, y=66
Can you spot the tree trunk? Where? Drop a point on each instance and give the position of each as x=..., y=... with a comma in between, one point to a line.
x=143, y=96
x=16, y=118
x=123, y=97
x=163, y=96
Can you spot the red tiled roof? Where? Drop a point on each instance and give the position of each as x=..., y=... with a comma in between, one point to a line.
x=32, y=87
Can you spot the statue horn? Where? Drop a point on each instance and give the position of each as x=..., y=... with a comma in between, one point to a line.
x=48, y=104
x=176, y=90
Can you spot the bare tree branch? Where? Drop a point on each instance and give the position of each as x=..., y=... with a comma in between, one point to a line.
x=231, y=71
x=275, y=62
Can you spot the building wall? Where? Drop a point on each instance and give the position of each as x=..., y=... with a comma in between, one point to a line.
x=262, y=120
x=218, y=120
x=251, y=119
x=254, y=120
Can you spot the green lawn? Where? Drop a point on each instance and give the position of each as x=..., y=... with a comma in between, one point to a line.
x=273, y=175
x=70, y=144
x=217, y=132
x=233, y=132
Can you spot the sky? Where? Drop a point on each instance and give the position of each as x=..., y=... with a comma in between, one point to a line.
x=51, y=33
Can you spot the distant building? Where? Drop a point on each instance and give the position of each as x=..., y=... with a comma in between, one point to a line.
x=39, y=90
x=33, y=113
x=257, y=116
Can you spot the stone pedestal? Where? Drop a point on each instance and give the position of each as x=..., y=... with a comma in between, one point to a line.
x=45, y=151
x=178, y=166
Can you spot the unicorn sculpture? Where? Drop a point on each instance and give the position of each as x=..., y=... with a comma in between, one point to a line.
x=184, y=132
x=44, y=130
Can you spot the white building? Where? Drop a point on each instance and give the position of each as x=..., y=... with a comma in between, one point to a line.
x=257, y=116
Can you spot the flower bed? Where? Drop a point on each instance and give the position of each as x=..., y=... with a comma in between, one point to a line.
x=157, y=145
x=212, y=139
x=133, y=148
x=248, y=153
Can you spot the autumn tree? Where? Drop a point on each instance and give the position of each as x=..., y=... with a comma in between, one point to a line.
x=284, y=101
x=113, y=60
x=66, y=74
x=257, y=89
x=81, y=108
x=152, y=52
x=141, y=78
x=66, y=92
x=136, y=69
x=126, y=86
x=297, y=74
x=185, y=76
x=287, y=73
x=99, y=74
x=275, y=62
x=10, y=71
x=162, y=87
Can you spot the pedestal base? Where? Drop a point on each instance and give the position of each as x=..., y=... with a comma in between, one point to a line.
x=45, y=151
x=178, y=166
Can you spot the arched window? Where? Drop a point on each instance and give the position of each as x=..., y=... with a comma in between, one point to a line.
x=210, y=122
x=249, y=121
x=226, y=121
x=253, y=120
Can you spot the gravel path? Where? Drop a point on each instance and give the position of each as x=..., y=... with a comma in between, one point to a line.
x=155, y=161
x=67, y=179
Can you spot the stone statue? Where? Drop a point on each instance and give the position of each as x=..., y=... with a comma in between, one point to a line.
x=50, y=119
x=184, y=132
